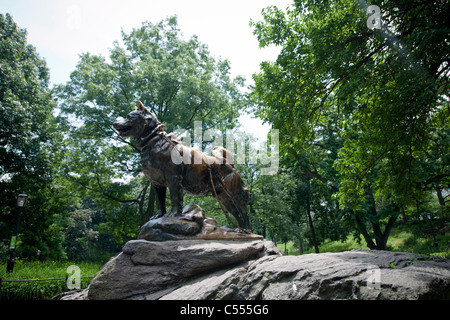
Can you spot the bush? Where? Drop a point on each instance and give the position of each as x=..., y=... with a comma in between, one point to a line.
x=4, y=251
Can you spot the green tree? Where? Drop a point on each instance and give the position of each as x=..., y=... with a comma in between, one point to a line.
x=271, y=208
x=388, y=89
x=79, y=234
x=28, y=143
x=176, y=79
x=26, y=104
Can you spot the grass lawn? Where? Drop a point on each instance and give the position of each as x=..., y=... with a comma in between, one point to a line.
x=41, y=290
x=404, y=237
x=327, y=246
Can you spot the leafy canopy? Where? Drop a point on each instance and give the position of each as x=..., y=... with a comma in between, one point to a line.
x=388, y=88
x=25, y=104
x=177, y=79
x=29, y=144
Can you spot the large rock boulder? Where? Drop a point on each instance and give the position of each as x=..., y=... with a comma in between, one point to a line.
x=151, y=269
x=255, y=269
x=365, y=275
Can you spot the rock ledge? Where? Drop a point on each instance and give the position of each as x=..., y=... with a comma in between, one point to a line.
x=255, y=269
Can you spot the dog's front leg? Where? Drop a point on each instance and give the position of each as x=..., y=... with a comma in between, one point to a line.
x=176, y=195
x=160, y=200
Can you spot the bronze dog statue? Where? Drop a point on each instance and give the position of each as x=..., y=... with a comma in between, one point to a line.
x=210, y=175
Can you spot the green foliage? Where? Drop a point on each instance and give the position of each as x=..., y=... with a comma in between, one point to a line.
x=363, y=118
x=386, y=91
x=28, y=143
x=405, y=237
x=41, y=290
x=26, y=106
x=79, y=234
x=327, y=245
x=271, y=209
x=176, y=79
x=418, y=238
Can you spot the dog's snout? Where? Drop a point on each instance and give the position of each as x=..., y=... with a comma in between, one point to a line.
x=119, y=125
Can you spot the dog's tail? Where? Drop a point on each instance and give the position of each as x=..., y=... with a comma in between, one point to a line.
x=227, y=199
x=218, y=200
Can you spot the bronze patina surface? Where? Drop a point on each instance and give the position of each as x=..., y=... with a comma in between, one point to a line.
x=200, y=175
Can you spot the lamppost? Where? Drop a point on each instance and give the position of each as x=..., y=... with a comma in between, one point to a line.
x=22, y=200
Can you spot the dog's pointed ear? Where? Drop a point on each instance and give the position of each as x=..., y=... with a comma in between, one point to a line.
x=140, y=107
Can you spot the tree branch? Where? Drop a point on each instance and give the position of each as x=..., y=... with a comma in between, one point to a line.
x=308, y=172
x=104, y=194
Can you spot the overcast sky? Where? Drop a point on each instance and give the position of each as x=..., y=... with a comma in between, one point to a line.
x=62, y=29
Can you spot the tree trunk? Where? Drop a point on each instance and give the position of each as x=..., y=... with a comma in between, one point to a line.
x=308, y=213
x=405, y=219
x=380, y=237
x=382, y=245
x=418, y=214
x=441, y=199
x=313, y=232
x=360, y=226
x=300, y=240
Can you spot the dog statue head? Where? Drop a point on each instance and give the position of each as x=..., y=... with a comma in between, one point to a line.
x=139, y=122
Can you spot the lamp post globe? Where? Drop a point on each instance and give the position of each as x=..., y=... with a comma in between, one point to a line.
x=22, y=200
